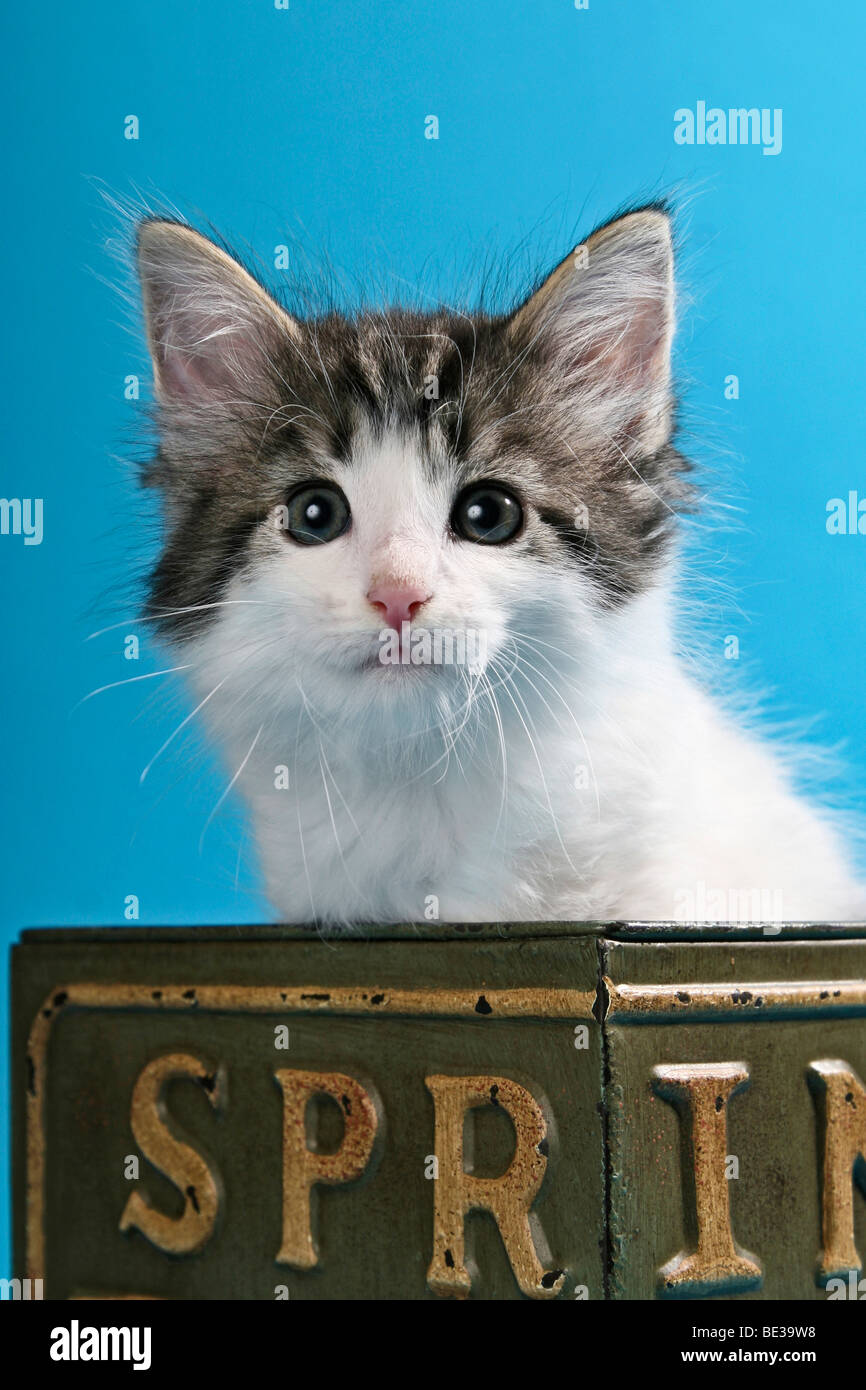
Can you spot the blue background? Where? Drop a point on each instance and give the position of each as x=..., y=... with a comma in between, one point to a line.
x=309, y=123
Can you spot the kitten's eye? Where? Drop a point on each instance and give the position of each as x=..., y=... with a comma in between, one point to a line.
x=487, y=514
x=317, y=512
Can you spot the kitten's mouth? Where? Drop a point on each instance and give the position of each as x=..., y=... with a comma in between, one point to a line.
x=418, y=649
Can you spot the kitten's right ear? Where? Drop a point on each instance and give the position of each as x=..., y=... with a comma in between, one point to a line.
x=211, y=328
x=603, y=322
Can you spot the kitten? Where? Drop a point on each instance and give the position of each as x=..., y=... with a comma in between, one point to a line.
x=342, y=493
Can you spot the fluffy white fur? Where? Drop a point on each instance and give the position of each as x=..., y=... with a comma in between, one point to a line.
x=583, y=776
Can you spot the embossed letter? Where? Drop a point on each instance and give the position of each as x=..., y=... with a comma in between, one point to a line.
x=841, y=1102
x=303, y=1167
x=700, y=1093
x=508, y=1198
x=188, y=1171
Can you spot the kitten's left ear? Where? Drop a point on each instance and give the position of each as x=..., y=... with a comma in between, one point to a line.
x=603, y=323
x=212, y=330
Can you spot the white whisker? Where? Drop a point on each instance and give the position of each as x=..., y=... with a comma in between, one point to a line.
x=131, y=680
x=180, y=726
x=243, y=764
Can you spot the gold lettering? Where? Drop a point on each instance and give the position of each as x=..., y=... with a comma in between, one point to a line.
x=304, y=1167
x=841, y=1102
x=508, y=1197
x=181, y=1164
x=700, y=1092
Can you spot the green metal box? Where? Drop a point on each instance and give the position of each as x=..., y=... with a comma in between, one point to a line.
x=545, y=1111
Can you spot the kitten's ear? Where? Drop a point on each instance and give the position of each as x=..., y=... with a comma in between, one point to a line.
x=211, y=328
x=603, y=322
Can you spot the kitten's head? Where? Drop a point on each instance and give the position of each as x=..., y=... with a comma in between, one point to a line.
x=494, y=478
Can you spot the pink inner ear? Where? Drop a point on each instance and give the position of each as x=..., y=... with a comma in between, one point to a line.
x=215, y=363
x=182, y=375
x=634, y=353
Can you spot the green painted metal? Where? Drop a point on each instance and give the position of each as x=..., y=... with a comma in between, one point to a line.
x=614, y=1203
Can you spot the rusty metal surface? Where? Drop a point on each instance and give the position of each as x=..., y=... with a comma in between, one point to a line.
x=228, y=1203
x=496, y=1113
x=721, y=1187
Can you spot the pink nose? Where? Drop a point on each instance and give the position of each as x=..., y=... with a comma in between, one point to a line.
x=399, y=602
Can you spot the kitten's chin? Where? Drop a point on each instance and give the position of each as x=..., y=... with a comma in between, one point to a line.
x=366, y=684
x=396, y=669
x=401, y=679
